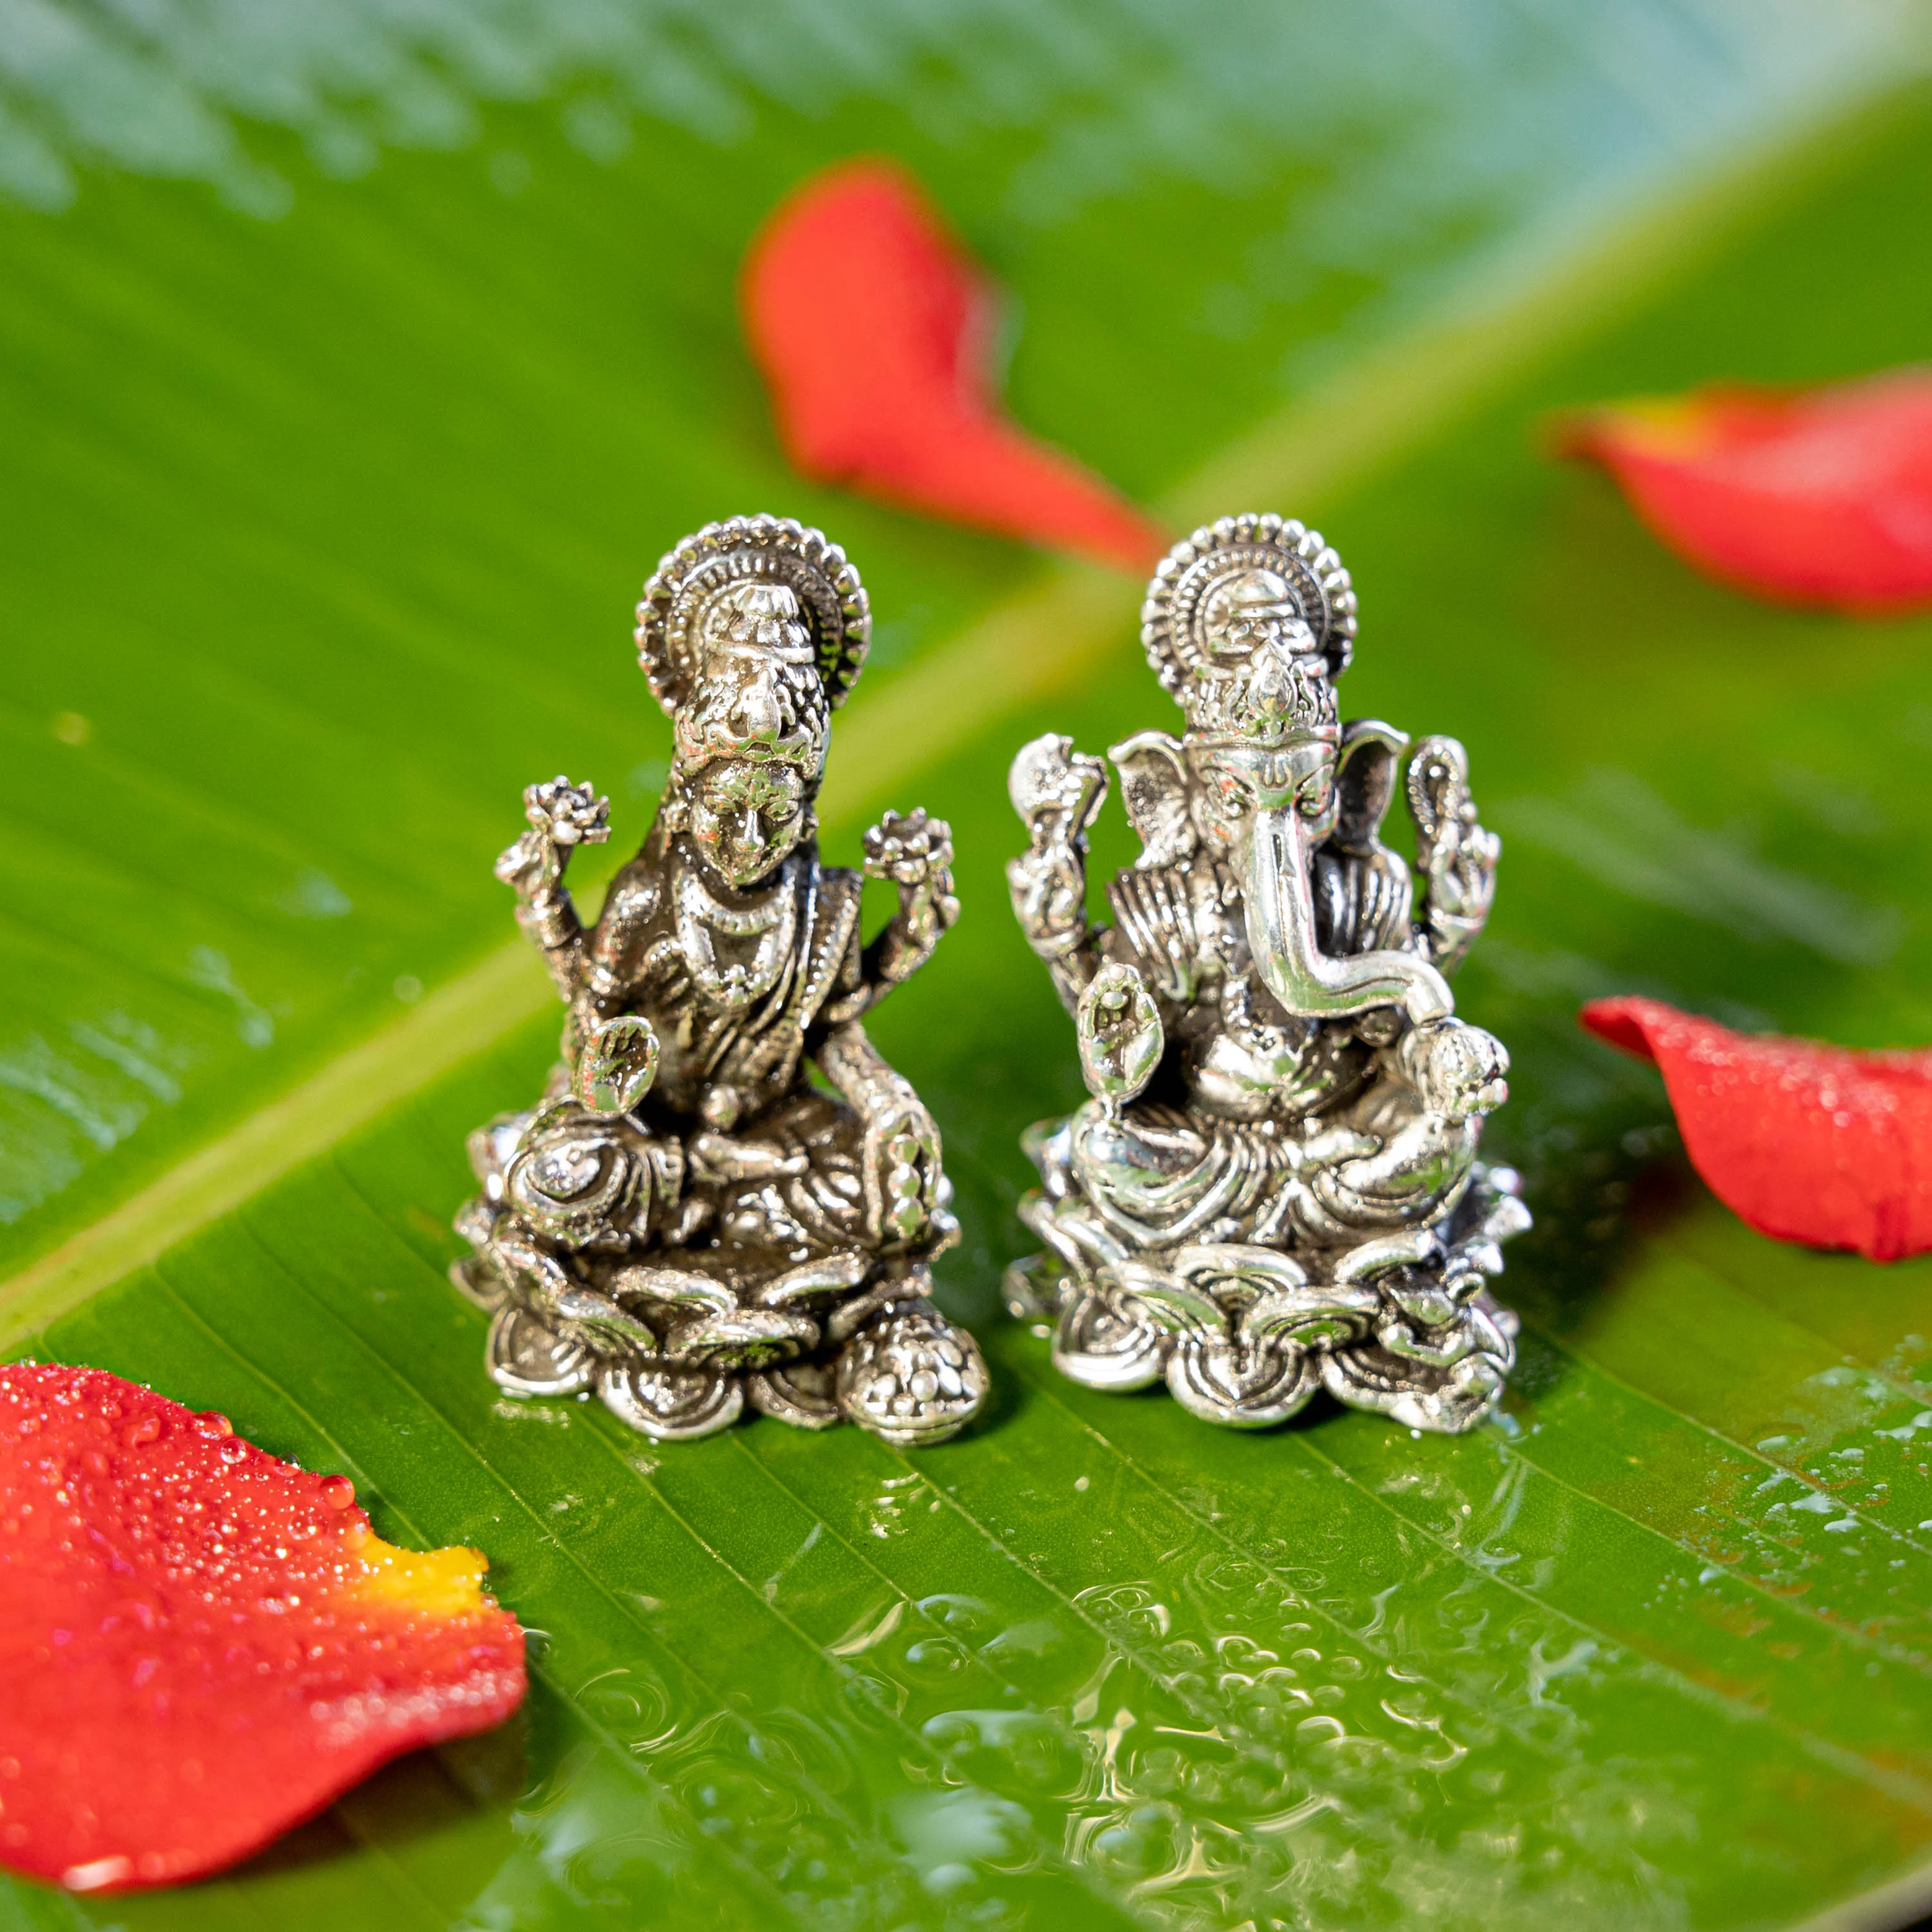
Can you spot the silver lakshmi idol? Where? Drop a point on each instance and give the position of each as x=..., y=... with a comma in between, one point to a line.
x=687, y=1221
x=1274, y=1186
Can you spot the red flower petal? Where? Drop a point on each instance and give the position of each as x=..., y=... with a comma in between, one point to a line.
x=1806, y=1142
x=871, y=326
x=1824, y=497
x=201, y=1645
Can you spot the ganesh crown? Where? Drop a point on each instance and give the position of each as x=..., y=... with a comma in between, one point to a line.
x=1247, y=623
x=750, y=632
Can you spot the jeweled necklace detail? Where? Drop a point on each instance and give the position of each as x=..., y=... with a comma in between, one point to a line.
x=772, y=920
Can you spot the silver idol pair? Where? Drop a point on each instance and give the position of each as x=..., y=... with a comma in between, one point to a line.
x=1274, y=1187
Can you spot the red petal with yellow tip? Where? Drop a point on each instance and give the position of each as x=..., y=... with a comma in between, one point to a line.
x=872, y=327
x=201, y=1645
x=1820, y=497
x=1809, y=1143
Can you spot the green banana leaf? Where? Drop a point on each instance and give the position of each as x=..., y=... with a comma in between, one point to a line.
x=352, y=377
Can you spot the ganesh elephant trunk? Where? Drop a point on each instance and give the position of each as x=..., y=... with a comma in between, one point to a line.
x=1280, y=851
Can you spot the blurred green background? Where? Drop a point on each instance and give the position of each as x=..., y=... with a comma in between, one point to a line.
x=356, y=364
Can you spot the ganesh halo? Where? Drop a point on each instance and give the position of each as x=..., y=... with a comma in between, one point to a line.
x=1274, y=1187
x=1180, y=615
x=686, y=1222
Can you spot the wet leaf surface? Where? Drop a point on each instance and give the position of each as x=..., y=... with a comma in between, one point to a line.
x=1652, y=1652
x=1590, y=1666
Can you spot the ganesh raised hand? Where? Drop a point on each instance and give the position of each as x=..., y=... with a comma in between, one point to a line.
x=1456, y=855
x=915, y=853
x=561, y=816
x=1057, y=791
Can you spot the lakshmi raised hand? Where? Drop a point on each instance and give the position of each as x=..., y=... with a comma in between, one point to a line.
x=686, y=1221
x=1274, y=1188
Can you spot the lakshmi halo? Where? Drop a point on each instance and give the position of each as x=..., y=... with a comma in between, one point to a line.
x=771, y=550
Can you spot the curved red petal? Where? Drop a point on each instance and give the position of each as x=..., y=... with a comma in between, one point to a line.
x=1807, y=1142
x=872, y=326
x=1822, y=497
x=201, y=1645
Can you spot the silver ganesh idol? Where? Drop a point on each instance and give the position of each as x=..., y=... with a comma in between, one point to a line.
x=1274, y=1188
x=687, y=1220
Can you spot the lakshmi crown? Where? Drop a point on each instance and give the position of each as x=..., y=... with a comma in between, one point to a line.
x=751, y=631
x=678, y=629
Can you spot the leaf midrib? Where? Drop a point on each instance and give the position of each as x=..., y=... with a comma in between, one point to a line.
x=1374, y=411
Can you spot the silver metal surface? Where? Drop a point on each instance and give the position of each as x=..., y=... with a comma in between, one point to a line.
x=686, y=1222
x=1274, y=1188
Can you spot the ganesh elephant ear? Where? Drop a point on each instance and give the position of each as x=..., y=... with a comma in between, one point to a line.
x=1365, y=782
x=1154, y=787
